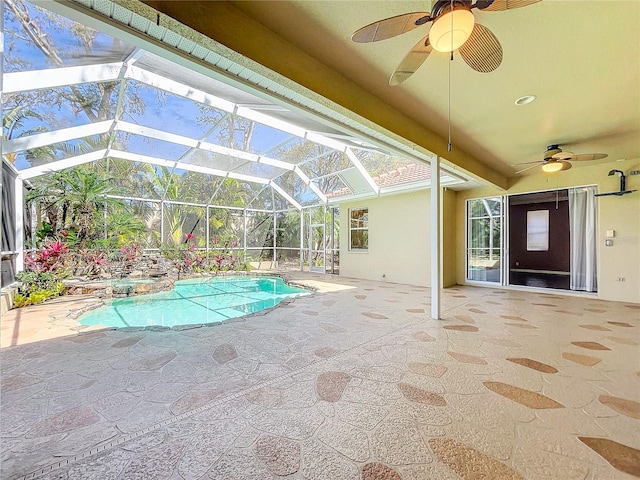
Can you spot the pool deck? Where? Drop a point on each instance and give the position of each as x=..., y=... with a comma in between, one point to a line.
x=352, y=382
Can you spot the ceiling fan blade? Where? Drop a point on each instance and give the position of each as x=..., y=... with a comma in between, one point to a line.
x=499, y=5
x=565, y=165
x=529, y=168
x=411, y=62
x=482, y=50
x=525, y=163
x=561, y=156
x=390, y=27
x=588, y=156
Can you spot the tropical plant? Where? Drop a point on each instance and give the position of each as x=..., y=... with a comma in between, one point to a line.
x=36, y=287
x=49, y=259
x=74, y=197
x=123, y=227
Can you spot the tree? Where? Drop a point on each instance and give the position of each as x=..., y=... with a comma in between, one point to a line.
x=31, y=27
x=76, y=196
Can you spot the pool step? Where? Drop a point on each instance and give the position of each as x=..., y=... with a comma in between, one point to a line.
x=6, y=298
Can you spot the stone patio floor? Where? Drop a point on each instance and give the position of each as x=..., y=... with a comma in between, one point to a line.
x=352, y=382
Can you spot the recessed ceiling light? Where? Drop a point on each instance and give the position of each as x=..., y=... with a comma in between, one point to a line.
x=525, y=100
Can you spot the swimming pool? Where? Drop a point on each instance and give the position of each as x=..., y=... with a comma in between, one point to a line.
x=195, y=301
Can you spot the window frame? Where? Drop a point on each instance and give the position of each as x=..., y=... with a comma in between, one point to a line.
x=495, y=219
x=358, y=229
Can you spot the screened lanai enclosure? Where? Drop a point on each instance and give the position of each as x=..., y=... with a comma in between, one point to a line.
x=132, y=135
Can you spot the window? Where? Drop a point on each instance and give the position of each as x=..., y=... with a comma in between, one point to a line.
x=538, y=230
x=359, y=229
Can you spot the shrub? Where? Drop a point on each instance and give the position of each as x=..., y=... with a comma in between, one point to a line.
x=50, y=258
x=36, y=287
x=20, y=301
x=131, y=251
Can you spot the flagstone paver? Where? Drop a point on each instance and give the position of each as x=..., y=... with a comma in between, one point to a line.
x=352, y=382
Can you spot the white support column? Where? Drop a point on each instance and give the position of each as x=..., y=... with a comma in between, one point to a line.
x=19, y=226
x=208, y=232
x=302, y=240
x=244, y=231
x=275, y=232
x=161, y=222
x=435, y=238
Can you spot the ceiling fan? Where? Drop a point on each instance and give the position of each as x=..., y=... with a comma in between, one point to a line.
x=556, y=160
x=454, y=28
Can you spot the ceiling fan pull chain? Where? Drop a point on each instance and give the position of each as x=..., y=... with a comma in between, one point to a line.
x=449, y=106
x=449, y=100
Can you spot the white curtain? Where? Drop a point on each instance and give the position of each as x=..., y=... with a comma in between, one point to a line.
x=582, y=225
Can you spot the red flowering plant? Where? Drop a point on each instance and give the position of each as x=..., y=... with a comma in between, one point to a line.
x=50, y=257
x=224, y=258
x=191, y=259
x=94, y=262
x=131, y=251
x=44, y=272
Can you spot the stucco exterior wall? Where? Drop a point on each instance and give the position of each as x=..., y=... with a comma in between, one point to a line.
x=618, y=213
x=399, y=242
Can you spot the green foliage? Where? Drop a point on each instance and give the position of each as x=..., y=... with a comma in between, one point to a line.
x=20, y=301
x=124, y=228
x=72, y=198
x=36, y=287
x=45, y=232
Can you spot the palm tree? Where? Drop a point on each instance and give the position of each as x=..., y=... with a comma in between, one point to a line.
x=78, y=194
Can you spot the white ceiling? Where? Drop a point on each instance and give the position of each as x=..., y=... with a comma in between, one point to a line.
x=581, y=58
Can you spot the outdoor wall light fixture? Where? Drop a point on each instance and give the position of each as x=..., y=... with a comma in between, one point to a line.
x=622, y=178
x=623, y=185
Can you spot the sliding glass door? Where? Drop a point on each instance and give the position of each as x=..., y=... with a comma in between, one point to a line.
x=484, y=239
x=543, y=239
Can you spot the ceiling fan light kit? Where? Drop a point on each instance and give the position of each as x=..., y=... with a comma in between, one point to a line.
x=555, y=166
x=452, y=29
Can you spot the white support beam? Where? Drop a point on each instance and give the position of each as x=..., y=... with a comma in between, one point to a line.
x=193, y=143
x=15, y=82
x=272, y=162
x=307, y=181
x=58, y=165
x=327, y=142
x=185, y=166
x=57, y=136
x=270, y=121
x=287, y=127
x=288, y=197
x=18, y=205
x=435, y=238
x=363, y=171
x=122, y=88
x=155, y=133
x=178, y=88
x=135, y=157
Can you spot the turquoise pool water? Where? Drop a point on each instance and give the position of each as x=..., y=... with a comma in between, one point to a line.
x=195, y=301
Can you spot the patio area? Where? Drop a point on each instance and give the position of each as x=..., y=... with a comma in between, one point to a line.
x=352, y=382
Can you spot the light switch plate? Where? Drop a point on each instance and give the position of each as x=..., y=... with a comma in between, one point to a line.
x=611, y=233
